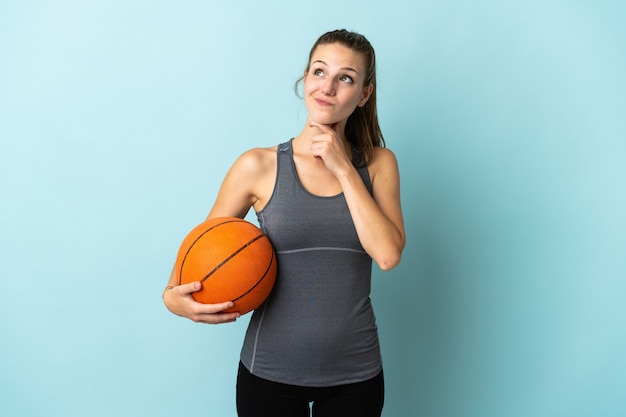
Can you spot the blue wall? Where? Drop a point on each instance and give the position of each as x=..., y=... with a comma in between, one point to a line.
x=119, y=119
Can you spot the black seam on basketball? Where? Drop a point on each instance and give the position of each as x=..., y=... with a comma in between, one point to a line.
x=232, y=255
x=259, y=281
x=182, y=263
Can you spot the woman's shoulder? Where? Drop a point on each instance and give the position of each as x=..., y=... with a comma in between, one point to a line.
x=382, y=156
x=259, y=153
x=257, y=160
x=255, y=163
x=383, y=162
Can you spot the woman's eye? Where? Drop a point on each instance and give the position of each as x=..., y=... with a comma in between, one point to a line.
x=346, y=79
x=318, y=72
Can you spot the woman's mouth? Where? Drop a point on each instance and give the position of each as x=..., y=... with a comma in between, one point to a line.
x=322, y=103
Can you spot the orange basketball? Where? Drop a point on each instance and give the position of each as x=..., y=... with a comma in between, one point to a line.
x=232, y=258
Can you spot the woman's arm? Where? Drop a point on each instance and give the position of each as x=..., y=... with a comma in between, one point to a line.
x=239, y=191
x=378, y=217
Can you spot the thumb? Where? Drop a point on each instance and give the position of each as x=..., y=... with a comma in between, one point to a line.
x=190, y=287
x=333, y=128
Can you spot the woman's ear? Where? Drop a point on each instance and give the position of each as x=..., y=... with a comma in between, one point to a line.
x=367, y=92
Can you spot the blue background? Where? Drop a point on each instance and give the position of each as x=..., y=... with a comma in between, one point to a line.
x=119, y=119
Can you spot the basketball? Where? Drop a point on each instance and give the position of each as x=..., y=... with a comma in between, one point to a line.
x=234, y=261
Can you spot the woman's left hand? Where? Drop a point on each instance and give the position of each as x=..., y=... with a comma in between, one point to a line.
x=329, y=148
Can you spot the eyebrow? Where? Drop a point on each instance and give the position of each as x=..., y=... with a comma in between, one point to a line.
x=344, y=68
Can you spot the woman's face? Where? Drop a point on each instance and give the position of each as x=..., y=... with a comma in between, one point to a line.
x=333, y=85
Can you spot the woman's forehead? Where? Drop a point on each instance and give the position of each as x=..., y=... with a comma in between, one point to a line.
x=335, y=54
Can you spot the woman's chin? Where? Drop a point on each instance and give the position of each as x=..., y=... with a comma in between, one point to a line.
x=323, y=119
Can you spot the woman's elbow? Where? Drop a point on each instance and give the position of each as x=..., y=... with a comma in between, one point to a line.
x=389, y=261
x=387, y=255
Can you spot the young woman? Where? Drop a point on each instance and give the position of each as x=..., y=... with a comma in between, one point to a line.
x=329, y=200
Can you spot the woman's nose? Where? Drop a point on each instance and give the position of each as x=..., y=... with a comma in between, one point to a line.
x=328, y=87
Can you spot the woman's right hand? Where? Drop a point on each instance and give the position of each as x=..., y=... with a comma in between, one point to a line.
x=179, y=301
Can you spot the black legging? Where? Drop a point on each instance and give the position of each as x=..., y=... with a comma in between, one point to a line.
x=258, y=397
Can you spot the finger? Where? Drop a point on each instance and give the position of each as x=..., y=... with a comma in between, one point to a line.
x=212, y=313
x=220, y=318
x=189, y=288
x=215, y=308
x=215, y=318
x=324, y=128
